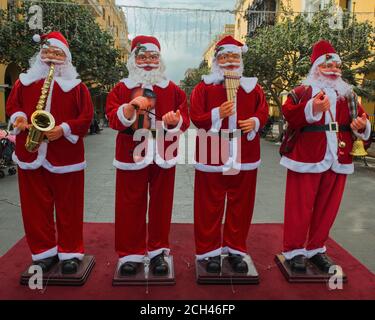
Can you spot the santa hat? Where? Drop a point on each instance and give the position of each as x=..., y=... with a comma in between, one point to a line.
x=229, y=44
x=146, y=43
x=56, y=39
x=323, y=50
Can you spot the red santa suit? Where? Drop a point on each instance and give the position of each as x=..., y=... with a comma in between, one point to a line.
x=52, y=178
x=317, y=167
x=151, y=178
x=217, y=156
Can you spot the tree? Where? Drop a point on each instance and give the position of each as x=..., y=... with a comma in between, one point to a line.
x=279, y=55
x=194, y=76
x=98, y=62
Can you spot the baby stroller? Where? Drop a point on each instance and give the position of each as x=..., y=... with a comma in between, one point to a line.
x=7, y=146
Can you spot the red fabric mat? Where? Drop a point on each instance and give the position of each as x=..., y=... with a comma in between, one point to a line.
x=264, y=242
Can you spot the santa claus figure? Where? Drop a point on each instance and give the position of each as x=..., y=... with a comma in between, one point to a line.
x=227, y=139
x=145, y=180
x=52, y=178
x=325, y=115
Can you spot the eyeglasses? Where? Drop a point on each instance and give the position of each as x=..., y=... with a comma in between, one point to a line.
x=144, y=57
x=55, y=51
x=229, y=56
x=331, y=61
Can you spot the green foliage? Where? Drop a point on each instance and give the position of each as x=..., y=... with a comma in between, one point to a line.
x=193, y=77
x=279, y=55
x=94, y=55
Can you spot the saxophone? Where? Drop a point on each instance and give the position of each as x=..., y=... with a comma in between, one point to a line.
x=41, y=120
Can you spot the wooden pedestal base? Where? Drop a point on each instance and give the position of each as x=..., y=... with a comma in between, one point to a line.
x=144, y=277
x=226, y=276
x=54, y=277
x=312, y=274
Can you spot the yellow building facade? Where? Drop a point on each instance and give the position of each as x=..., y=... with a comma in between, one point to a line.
x=110, y=18
x=364, y=10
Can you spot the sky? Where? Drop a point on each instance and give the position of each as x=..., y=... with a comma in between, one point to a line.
x=183, y=35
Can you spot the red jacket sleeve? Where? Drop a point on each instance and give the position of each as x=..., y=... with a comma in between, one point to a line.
x=81, y=124
x=198, y=113
x=262, y=111
x=293, y=112
x=14, y=102
x=182, y=106
x=114, y=102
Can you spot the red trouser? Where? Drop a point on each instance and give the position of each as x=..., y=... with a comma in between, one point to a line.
x=312, y=201
x=132, y=189
x=41, y=192
x=211, y=190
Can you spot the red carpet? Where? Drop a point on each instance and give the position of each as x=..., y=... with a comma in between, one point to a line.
x=264, y=241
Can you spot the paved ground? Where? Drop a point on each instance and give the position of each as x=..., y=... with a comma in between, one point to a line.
x=354, y=228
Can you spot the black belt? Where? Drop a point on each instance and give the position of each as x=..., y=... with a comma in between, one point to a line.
x=130, y=131
x=229, y=135
x=332, y=127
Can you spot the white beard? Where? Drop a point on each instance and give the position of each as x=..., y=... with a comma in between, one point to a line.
x=316, y=79
x=217, y=72
x=140, y=75
x=39, y=70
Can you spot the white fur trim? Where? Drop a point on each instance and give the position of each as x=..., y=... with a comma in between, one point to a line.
x=130, y=84
x=229, y=48
x=175, y=129
x=37, y=163
x=68, y=133
x=245, y=48
x=216, y=120
x=120, y=115
x=66, y=256
x=322, y=59
x=309, y=113
x=36, y=38
x=149, y=47
x=227, y=166
x=162, y=163
x=59, y=44
x=365, y=135
x=42, y=161
x=64, y=169
x=129, y=165
x=226, y=250
x=46, y=254
x=252, y=134
x=213, y=253
x=311, y=253
x=291, y=254
x=131, y=258
x=67, y=85
x=330, y=160
x=17, y=114
x=248, y=84
x=13, y=118
x=154, y=253
x=147, y=160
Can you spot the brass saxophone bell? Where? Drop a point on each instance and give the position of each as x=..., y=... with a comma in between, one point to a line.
x=358, y=149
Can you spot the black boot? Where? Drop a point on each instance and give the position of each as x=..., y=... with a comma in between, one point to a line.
x=130, y=268
x=214, y=264
x=70, y=266
x=237, y=263
x=298, y=263
x=158, y=265
x=322, y=261
x=47, y=263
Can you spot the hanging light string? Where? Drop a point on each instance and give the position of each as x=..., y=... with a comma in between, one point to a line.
x=228, y=11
